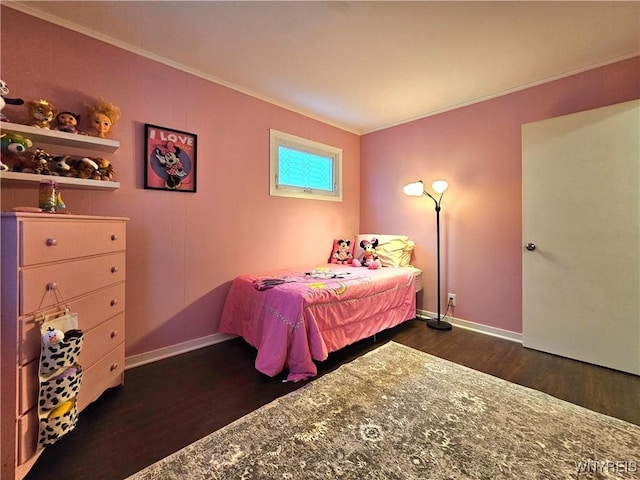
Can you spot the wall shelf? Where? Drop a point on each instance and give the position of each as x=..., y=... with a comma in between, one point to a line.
x=54, y=137
x=72, y=182
x=64, y=139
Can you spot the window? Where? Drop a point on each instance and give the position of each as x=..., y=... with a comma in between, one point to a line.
x=303, y=168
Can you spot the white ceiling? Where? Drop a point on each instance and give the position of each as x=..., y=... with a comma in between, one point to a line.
x=363, y=66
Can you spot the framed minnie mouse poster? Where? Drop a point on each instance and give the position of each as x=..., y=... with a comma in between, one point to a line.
x=170, y=159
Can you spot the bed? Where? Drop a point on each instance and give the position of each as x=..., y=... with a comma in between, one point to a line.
x=295, y=316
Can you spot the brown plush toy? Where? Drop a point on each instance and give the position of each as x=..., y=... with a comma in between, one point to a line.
x=38, y=163
x=86, y=168
x=41, y=112
x=105, y=169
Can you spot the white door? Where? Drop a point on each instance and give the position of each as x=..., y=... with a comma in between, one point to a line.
x=581, y=209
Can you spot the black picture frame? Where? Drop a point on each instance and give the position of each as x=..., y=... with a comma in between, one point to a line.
x=170, y=159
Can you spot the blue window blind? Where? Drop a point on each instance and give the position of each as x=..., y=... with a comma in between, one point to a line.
x=303, y=168
x=306, y=170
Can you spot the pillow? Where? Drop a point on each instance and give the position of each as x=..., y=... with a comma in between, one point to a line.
x=342, y=252
x=392, y=250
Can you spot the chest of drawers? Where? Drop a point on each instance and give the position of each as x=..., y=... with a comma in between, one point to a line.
x=84, y=258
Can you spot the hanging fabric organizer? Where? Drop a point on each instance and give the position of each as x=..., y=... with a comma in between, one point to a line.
x=59, y=373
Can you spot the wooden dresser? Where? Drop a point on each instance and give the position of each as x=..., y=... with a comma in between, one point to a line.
x=84, y=257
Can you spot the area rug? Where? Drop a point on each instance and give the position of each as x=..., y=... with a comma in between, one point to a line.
x=398, y=413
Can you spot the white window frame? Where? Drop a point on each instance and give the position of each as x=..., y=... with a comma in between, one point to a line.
x=277, y=139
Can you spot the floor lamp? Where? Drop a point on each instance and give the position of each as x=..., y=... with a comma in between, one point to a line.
x=417, y=189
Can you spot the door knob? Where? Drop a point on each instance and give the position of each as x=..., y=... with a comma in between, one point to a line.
x=530, y=246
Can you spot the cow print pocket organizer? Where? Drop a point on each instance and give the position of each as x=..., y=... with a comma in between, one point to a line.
x=60, y=378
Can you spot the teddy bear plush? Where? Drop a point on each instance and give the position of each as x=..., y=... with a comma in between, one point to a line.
x=369, y=258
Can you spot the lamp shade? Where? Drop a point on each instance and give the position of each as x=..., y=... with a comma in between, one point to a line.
x=415, y=189
x=439, y=186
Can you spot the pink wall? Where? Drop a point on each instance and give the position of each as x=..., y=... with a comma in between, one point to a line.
x=477, y=149
x=183, y=248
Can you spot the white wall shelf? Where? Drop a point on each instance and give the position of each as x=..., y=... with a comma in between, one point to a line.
x=64, y=139
x=72, y=182
x=55, y=137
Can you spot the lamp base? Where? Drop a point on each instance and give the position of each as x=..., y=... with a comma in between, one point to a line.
x=438, y=324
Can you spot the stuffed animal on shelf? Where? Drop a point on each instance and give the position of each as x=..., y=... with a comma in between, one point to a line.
x=38, y=163
x=105, y=170
x=42, y=113
x=14, y=151
x=60, y=165
x=86, y=168
x=4, y=100
x=67, y=122
x=369, y=257
x=102, y=116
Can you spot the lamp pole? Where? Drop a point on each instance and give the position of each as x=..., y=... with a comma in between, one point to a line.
x=438, y=323
x=416, y=189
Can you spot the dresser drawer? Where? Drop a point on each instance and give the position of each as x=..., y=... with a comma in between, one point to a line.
x=27, y=436
x=91, y=309
x=101, y=340
x=28, y=386
x=108, y=372
x=72, y=279
x=52, y=240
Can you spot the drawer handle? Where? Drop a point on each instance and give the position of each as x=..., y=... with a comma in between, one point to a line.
x=114, y=269
x=114, y=237
x=114, y=334
x=114, y=302
x=114, y=367
x=52, y=242
x=52, y=286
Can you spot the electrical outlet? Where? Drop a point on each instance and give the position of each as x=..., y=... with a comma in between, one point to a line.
x=451, y=299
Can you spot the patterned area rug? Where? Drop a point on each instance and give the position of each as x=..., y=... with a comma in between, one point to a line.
x=398, y=413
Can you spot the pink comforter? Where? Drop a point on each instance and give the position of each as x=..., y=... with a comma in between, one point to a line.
x=294, y=317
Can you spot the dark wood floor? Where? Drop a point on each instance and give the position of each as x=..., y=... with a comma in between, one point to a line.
x=169, y=404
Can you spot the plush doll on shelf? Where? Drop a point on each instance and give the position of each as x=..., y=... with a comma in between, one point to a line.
x=105, y=170
x=67, y=122
x=60, y=165
x=42, y=113
x=14, y=151
x=4, y=100
x=38, y=163
x=369, y=258
x=87, y=168
x=102, y=116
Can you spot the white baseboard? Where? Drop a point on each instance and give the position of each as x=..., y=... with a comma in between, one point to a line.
x=476, y=327
x=162, y=353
